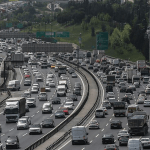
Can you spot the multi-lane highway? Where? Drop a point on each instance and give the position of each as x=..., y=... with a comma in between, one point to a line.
x=95, y=135
x=36, y=113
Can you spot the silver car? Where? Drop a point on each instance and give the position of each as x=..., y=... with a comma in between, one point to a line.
x=68, y=105
x=22, y=124
x=146, y=103
x=34, y=89
x=31, y=102
x=42, y=96
x=145, y=142
x=94, y=124
x=35, y=128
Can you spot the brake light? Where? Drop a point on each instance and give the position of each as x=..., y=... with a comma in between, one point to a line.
x=115, y=149
x=105, y=149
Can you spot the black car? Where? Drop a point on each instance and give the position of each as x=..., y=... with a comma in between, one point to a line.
x=129, y=90
x=115, y=124
x=123, y=140
x=95, y=69
x=111, y=147
x=109, y=88
x=56, y=100
x=12, y=142
x=71, y=71
x=48, y=123
x=90, y=67
x=108, y=138
x=77, y=91
x=126, y=99
x=74, y=97
x=59, y=114
x=123, y=89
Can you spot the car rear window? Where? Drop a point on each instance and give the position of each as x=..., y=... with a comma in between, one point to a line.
x=99, y=110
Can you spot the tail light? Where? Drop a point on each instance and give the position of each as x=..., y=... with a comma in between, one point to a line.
x=115, y=149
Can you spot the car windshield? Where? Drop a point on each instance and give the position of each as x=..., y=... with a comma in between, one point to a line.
x=47, y=120
x=26, y=94
x=61, y=90
x=46, y=106
x=133, y=145
x=22, y=121
x=35, y=126
x=30, y=99
x=144, y=139
x=123, y=132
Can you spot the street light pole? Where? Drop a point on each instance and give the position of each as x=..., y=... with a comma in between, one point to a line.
x=148, y=29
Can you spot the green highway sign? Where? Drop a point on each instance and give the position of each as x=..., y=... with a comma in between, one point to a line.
x=102, y=40
x=8, y=25
x=49, y=34
x=19, y=25
x=40, y=34
x=62, y=34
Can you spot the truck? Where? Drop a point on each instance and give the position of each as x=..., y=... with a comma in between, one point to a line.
x=145, y=72
x=13, y=85
x=141, y=64
x=119, y=108
x=14, y=109
x=130, y=74
x=111, y=80
x=136, y=78
x=138, y=123
x=61, y=70
x=92, y=60
x=115, y=62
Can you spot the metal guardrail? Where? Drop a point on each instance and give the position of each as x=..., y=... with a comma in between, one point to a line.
x=67, y=134
x=60, y=126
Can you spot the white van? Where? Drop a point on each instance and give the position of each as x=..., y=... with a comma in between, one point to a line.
x=61, y=90
x=99, y=113
x=79, y=135
x=13, y=85
x=135, y=144
x=146, y=80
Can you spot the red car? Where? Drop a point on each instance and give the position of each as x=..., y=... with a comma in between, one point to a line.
x=27, y=76
x=65, y=110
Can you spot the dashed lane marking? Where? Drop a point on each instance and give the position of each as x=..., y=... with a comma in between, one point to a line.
x=97, y=135
x=11, y=129
x=25, y=134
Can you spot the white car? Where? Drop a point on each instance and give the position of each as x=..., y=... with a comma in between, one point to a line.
x=22, y=124
x=31, y=102
x=146, y=103
x=28, y=118
x=145, y=142
x=122, y=132
x=68, y=105
x=35, y=128
x=34, y=89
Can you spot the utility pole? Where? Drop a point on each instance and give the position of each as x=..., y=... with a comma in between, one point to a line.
x=148, y=29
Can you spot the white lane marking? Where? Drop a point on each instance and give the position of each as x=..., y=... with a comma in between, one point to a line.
x=110, y=119
x=97, y=135
x=25, y=134
x=83, y=148
x=2, y=134
x=51, y=115
x=107, y=124
x=127, y=123
x=11, y=129
x=91, y=141
x=21, y=76
x=37, y=111
x=1, y=112
x=102, y=129
x=32, y=116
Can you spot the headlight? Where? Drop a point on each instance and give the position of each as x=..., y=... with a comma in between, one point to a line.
x=15, y=142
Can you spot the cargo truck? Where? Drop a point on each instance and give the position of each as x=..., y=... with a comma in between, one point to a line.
x=61, y=70
x=130, y=74
x=15, y=108
x=111, y=80
x=119, y=108
x=141, y=64
x=136, y=78
x=138, y=123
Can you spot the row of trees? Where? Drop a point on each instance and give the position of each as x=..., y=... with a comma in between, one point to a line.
x=134, y=14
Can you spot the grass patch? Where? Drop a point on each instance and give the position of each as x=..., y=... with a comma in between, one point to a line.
x=88, y=41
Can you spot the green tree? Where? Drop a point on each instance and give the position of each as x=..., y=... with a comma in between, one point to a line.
x=115, y=38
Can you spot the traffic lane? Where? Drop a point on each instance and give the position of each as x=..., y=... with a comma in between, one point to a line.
x=7, y=127
x=37, y=119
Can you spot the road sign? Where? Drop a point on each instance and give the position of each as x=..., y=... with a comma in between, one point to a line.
x=49, y=34
x=40, y=34
x=19, y=25
x=62, y=34
x=102, y=40
x=8, y=25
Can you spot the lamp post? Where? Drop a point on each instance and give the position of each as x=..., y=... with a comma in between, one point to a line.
x=51, y=29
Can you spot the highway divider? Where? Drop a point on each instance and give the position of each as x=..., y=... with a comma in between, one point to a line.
x=65, y=122
x=87, y=116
